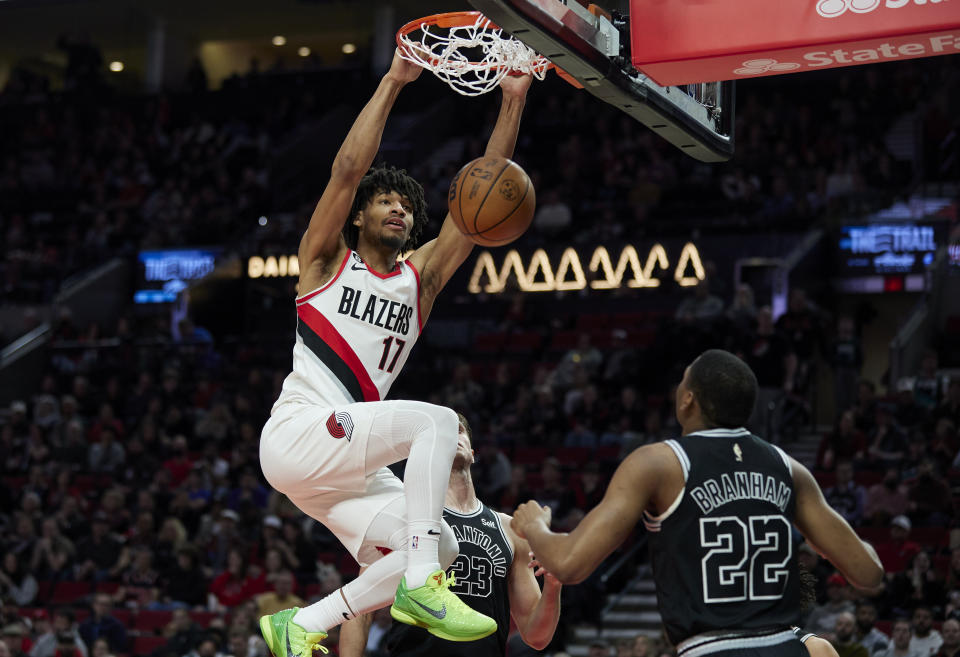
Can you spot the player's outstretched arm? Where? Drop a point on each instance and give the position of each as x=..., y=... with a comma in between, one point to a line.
x=353, y=636
x=572, y=557
x=503, y=139
x=438, y=259
x=535, y=612
x=830, y=534
x=322, y=238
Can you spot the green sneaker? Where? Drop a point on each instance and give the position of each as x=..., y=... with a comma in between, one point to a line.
x=287, y=639
x=433, y=607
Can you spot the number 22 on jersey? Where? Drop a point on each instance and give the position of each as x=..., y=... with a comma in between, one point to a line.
x=746, y=559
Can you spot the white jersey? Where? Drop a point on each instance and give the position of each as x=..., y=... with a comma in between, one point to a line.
x=354, y=334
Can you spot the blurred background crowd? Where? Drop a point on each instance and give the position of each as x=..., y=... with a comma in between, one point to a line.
x=134, y=519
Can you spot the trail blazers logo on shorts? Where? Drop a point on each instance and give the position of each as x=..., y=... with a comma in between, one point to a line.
x=340, y=425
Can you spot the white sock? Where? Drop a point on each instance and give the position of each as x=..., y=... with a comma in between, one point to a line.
x=371, y=590
x=423, y=551
x=368, y=594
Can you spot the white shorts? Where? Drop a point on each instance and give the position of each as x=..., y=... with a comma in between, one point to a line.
x=318, y=457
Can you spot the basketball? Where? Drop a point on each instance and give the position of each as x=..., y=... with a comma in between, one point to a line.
x=492, y=201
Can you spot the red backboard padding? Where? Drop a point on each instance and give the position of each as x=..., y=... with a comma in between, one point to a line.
x=684, y=42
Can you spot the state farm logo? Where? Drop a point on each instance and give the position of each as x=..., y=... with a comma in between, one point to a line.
x=834, y=8
x=759, y=66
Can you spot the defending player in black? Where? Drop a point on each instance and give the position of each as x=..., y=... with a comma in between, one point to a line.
x=495, y=575
x=718, y=503
x=486, y=554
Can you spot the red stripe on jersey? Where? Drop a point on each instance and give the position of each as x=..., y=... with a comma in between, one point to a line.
x=416, y=274
x=326, y=332
x=310, y=295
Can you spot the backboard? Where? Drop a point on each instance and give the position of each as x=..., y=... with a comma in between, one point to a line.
x=593, y=47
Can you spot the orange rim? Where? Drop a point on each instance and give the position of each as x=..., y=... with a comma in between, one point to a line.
x=448, y=20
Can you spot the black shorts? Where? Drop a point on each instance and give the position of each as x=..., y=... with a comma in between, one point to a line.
x=786, y=649
x=779, y=643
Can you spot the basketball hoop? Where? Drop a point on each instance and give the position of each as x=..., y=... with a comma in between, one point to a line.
x=467, y=51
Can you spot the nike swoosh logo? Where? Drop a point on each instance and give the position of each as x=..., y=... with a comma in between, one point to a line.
x=439, y=615
x=433, y=533
x=345, y=616
x=358, y=268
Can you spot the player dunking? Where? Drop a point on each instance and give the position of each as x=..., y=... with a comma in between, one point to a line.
x=718, y=504
x=330, y=435
x=493, y=576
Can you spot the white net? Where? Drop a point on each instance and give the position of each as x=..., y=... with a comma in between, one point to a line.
x=472, y=59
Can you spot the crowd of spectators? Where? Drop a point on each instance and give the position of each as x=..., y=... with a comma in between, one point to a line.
x=87, y=175
x=89, y=172
x=137, y=490
x=889, y=467
x=134, y=514
x=132, y=472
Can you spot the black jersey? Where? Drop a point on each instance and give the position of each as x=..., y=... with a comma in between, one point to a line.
x=722, y=554
x=481, y=570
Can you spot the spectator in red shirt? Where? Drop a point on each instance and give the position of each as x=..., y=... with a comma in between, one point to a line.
x=237, y=583
x=180, y=465
x=897, y=552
